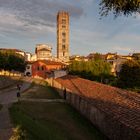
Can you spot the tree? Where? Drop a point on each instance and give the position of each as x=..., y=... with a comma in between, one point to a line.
x=136, y=56
x=98, y=56
x=129, y=76
x=119, y=7
x=10, y=60
x=97, y=70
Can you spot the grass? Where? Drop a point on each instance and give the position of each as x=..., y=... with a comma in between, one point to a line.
x=52, y=121
x=0, y=106
x=41, y=92
x=8, y=82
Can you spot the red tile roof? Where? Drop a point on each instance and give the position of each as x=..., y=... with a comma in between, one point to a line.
x=48, y=62
x=119, y=104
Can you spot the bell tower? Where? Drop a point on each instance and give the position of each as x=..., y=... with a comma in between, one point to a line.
x=63, y=36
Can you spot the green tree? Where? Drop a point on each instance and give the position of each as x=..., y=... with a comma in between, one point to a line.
x=93, y=70
x=98, y=56
x=129, y=76
x=136, y=56
x=118, y=7
x=10, y=60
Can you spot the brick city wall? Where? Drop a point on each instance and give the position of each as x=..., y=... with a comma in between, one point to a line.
x=111, y=127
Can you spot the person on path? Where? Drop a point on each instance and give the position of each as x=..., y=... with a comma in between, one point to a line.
x=18, y=92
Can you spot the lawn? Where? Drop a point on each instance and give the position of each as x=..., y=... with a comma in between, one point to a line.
x=0, y=106
x=52, y=121
x=41, y=92
x=8, y=81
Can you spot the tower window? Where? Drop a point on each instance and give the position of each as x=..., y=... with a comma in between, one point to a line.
x=63, y=47
x=63, y=26
x=63, y=21
x=63, y=53
x=63, y=40
x=63, y=34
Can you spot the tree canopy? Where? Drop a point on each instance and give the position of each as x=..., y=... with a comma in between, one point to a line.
x=97, y=70
x=129, y=76
x=119, y=7
x=10, y=60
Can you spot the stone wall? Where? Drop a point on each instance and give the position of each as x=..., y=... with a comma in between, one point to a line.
x=107, y=124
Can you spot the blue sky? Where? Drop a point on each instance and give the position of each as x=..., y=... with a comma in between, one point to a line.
x=25, y=23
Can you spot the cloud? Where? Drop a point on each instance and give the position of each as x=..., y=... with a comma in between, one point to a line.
x=33, y=16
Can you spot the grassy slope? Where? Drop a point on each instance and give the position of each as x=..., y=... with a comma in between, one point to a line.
x=41, y=92
x=9, y=81
x=53, y=121
x=0, y=106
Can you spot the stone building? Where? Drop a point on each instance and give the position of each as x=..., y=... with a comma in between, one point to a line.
x=43, y=51
x=63, y=36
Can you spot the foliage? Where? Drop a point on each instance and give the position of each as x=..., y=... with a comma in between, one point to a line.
x=0, y=106
x=9, y=60
x=19, y=134
x=125, y=7
x=136, y=56
x=97, y=56
x=93, y=70
x=129, y=76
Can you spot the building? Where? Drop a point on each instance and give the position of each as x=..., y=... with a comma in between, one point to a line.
x=28, y=56
x=111, y=56
x=43, y=52
x=63, y=36
x=28, y=70
x=44, y=68
x=116, y=63
x=34, y=57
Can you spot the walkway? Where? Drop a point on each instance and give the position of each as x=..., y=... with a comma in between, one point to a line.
x=42, y=100
x=7, y=97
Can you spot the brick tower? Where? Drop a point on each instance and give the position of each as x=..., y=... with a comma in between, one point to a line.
x=63, y=36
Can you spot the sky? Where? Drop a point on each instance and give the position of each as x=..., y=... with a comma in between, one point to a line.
x=25, y=23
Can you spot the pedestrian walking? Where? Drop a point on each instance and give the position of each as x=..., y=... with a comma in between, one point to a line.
x=18, y=92
x=18, y=95
x=18, y=87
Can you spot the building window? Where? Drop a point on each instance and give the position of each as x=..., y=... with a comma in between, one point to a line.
x=38, y=68
x=63, y=53
x=42, y=68
x=63, y=47
x=28, y=67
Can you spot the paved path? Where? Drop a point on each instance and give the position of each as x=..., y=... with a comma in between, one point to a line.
x=7, y=97
x=42, y=100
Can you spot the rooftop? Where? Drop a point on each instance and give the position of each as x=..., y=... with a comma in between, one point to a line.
x=48, y=62
x=121, y=105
